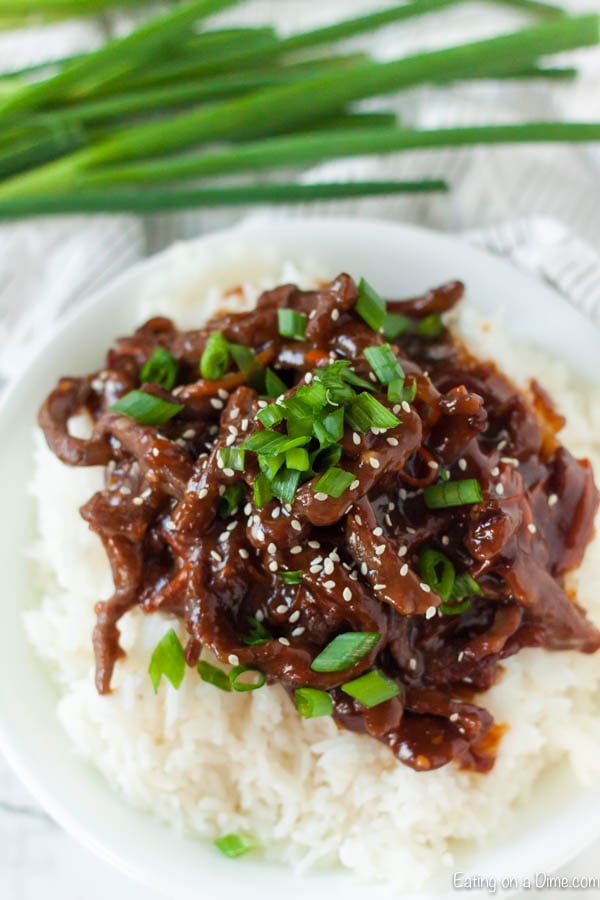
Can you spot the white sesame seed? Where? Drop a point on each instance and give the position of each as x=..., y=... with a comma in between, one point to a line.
x=454, y=717
x=329, y=585
x=189, y=433
x=355, y=484
x=296, y=525
x=126, y=491
x=155, y=451
x=402, y=551
x=500, y=489
x=425, y=587
x=364, y=568
x=502, y=445
x=462, y=464
x=312, y=314
x=495, y=471
x=378, y=531
x=216, y=404
x=247, y=509
x=314, y=545
x=372, y=377
x=223, y=394
x=97, y=385
x=137, y=501
x=335, y=314
x=405, y=406
x=314, y=570
x=404, y=570
x=552, y=499
x=243, y=553
x=403, y=493
x=271, y=549
x=387, y=519
x=531, y=528
x=224, y=536
x=328, y=567
x=229, y=440
x=294, y=616
x=430, y=611
x=379, y=587
x=233, y=660
x=298, y=631
x=410, y=530
x=461, y=656
x=433, y=464
x=358, y=519
x=380, y=550
x=320, y=496
x=308, y=377
x=355, y=438
x=373, y=462
x=215, y=556
x=202, y=493
x=284, y=641
x=276, y=512
x=445, y=540
x=272, y=567
x=412, y=664
x=228, y=473
x=296, y=549
x=244, y=424
x=281, y=609
x=347, y=594
x=259, y=615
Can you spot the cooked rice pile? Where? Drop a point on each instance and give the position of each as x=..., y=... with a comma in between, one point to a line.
x=210, y=763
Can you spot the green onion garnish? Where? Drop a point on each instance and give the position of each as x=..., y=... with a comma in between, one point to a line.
x=334, y=482
x=398, y=391
x=431, y=326
x=216, y=357
x=312, y=703
x=384, y=363
x=231, y=499
x=213, y=675
x=234, y=845
x=146, y=408
x=270, y=415
x=161, y=368
x=285, y=484
x=232, y=458
x=168, y=659
x=370, y=306
x=437, y=571
x=262, y=491
x=245, y=359
x=258, y=633
x=330, y=429
x=245, y=678
x=395, y=324
x=372, y=689
x=297, y=459
x=270, y=465
x=366, y=412
x=452, y=493
x=344, y=651
x=464, y=588
x=290, y=576
x=292, y=324
x=274, y=386
x=271, y=443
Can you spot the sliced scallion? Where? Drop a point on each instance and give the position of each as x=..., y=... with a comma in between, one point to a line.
x=312, y=703
x=270, y=415
x=212, y=675
x=399, y=391
x=366, y=412
x=452, y=493
x=395, y=324
x=334, y=482
x=168, y=659
x=161, y=368
x=297, y=458
x=262, y=491
x=285, y=484
x=345, y=650
x=258, y=633
x=370, y=306
x=245, y=678
x=430, y=327
x=437, y=571
x=274, y=386
x=234, y=845
x=384, y=363
x=290, y=576
x=292, y=324
x=464, y=588
x=232, y=458
x=271, y=443
x=215, y=360
x=372, y=689
x=231, y=499
x=146, y=408
x=330, y=429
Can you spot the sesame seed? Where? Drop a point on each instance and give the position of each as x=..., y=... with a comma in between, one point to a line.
x=259, y=615
x=392, y=441
x=312, y=314
x=215, y=556
x=378, y=531
x=405, y=406
x=314, y=545
x=247, y=509
x=244, y=424
x=358, y=519
x=230, y=439
x=412, y=664
x=216, y=404
x=404, y=570
x=329, y=585
x=380, y=550
x=364, y=568
x=403, y=493
x=296, y=525
x=202, y=493
x=335, y=315
x=531, y=528
x=320, y=496
x=430, y=612
x=454, y=717
x=509, y=460
x=281, y=609
x=462, y=464
x=228, y=473
x=233, y=660
x=461, y=656
x=373, y=462
x=355, y=438
x=272, y=567
x=262, y=404
x=125, y=490
x=137, y=501
x=347, y=594
x=502, y=445
x=552, y=499
x=445, y=541
x=433, y=464
x=495, y=471
x=298, y=631
x=294, y=616
x=308, y=377
x=500, y=489
x=379, y=587
x=271, y=549
x=232, y=526
x=387, y=519
x=314, y=570
x=296, y=549
x=276, y=512
x=224, y=536
x=223, y=394
x=284, y=641
x=372, y=377
x=243, y=553
x=355, y=484
x=425, y=587
x=97, y=385
x=328, y=567
x=155, y=451
x=402, y=551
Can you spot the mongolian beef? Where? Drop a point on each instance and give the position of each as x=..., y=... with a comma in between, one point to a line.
x=334, y=495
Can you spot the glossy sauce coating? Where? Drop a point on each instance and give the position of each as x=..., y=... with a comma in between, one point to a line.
x=171, y=551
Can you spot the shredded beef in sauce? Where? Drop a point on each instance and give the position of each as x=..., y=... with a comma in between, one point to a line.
x=170, y=551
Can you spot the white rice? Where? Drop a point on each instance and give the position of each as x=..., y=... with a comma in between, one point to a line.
x=210, y=763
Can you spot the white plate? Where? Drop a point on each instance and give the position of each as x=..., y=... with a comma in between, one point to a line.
x=561, y=819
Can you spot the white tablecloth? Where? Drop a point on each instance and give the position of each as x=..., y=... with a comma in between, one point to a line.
x=539, y=206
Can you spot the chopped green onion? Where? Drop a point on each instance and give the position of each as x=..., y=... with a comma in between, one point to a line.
x=216, y=357
x=258, y=633
x=232, y=458
x=345, y=650
x=292, y=324
x=270, y=415
x=285, y=484
x=274, y=386
x=244, y=358
x=334, y=482
x=370, y=306
x=464, y=588
x=395, y=324
x=330, y=429
x=271, y=443
x=213, y=675
x=168, y=659
x=270, y=465
x=297, y=459
x=239, y=683
x=398, y=391
x=372, y=689
x=384, y=363
x=262, y=491
x=234, y=845
x=231, y=499
x=161, y=368
x=290, y=576
x=431, y=326
x=366, y=412
x=312, y=703
x=312, y=396
x=322, y=460
x=452, y=493
x=437, y=571
x=146, y=408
